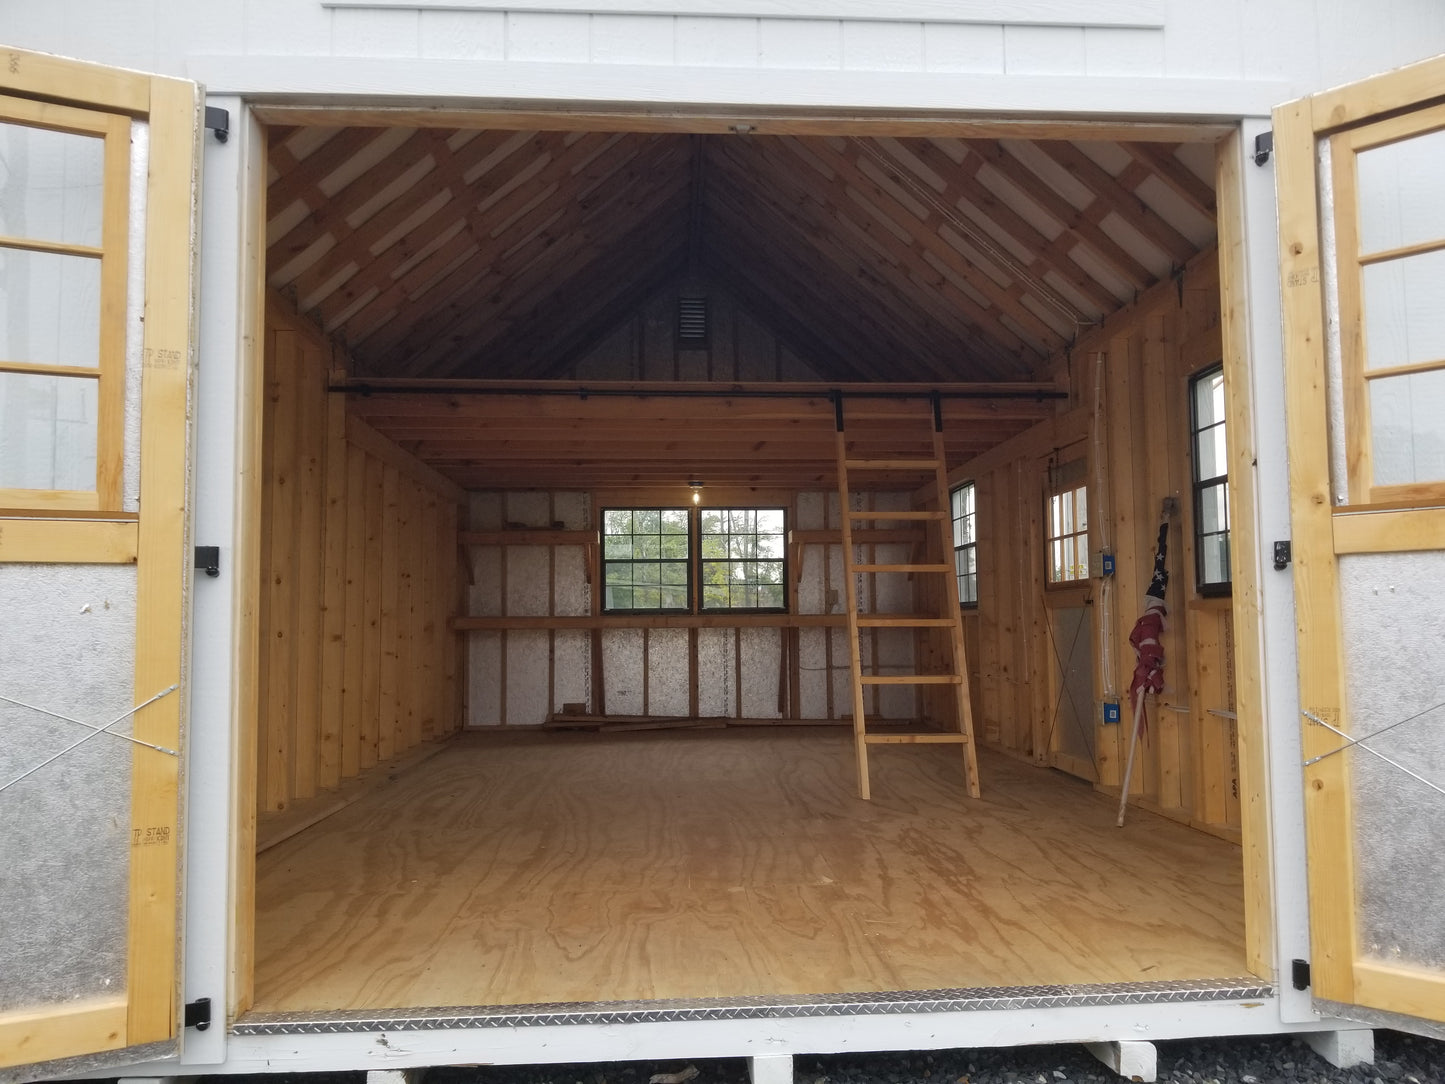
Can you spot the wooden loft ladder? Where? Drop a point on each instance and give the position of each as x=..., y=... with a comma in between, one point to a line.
x=948, y=616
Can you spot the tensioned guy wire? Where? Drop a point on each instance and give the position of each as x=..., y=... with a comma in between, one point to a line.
x=1360, y=743
x=94, y=730
x=88, y=726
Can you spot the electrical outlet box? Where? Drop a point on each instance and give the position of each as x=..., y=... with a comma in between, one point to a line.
x=1106, y=565
x=1111, y=711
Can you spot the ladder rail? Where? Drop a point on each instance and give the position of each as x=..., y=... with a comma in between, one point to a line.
x=949, y=621
x=963, y=699
x=855, y=656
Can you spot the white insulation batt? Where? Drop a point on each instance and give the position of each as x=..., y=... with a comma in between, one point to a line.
x=67, y=646
x=520, y=676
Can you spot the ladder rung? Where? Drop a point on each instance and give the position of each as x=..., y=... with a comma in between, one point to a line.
x=903, y=621
x=900, y=568
x=890, y=464
x=911, y=679
x=925, y=738
x=930, y=514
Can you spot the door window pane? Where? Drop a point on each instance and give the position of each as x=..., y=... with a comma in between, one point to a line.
x=1407, y=428
x=47, y=431
x=1399, y=187
x=53, y=185
x=1405, y=311
x=49, y=308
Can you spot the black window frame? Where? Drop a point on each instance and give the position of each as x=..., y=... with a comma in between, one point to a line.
x=699, y=601
x=966, y=547
x=694, y=560
x=604, y=561
x=1199, y=486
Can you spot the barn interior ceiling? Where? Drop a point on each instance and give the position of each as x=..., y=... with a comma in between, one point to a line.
x=442, y=253
x=501, y=254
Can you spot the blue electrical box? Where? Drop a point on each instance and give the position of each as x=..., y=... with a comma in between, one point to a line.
x=1111, y=707
x=1106, y=568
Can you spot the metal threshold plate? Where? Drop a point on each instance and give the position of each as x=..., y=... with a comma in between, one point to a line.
x=982, y=999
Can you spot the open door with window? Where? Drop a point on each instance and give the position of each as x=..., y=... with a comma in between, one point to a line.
x=1361, y=179
x=97, y=198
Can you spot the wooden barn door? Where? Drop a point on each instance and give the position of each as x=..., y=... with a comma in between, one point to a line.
x=1361, y=181
x=97, y=192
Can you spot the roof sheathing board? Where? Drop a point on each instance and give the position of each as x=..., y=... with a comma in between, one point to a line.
x=962, y=259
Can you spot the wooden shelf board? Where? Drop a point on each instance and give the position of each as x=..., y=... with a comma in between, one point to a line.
x=654, y=621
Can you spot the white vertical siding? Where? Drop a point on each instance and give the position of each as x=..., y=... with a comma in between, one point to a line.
x=1300, y=44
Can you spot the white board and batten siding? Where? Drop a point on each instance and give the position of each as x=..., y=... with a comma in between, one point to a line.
x=1180, y=57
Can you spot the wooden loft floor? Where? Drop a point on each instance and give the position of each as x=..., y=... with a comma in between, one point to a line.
x=515, y=869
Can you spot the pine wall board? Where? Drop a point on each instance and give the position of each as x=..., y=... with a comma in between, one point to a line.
x=359, y=578
x=1188, y=762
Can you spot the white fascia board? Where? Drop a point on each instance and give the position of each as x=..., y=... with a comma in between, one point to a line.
x=665, y=1041
x=419, y=82
x=1131, y=14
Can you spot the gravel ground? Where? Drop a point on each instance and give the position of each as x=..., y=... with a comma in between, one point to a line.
x=1405, y=1059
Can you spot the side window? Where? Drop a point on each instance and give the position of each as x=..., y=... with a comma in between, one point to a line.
x=1066, y=522
x=1210, y=453
x=965, y=543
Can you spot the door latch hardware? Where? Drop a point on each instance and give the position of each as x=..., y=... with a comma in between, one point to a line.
x=198, y=1013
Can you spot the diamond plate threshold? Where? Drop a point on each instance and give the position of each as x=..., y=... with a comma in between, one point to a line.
x=751, y=1008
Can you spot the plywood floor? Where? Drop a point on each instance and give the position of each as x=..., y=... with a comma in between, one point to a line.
x=563, y=867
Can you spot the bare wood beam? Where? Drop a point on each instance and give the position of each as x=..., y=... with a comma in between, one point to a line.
x=479, y=297
x=1118, y=194
x=961, y=184
x=1081, y=225
x=1186, y=185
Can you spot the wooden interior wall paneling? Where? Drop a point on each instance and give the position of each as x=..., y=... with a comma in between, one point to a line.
x=310, y=476
x=1031, y=652
x=330, y=757
x=1245, y=567
x=407, y=641
x=280, y=675
x=388, y=702
x=551, y=609
x=250, y=564
x=1209, y=805
x=502, y=587
x=1165, y=452
x=986, y=621
x=353, y=662
x=1126, y=482
x=265, y=505
x=452, y=600
x=371, y=607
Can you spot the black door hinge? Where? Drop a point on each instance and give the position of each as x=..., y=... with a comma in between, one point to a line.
x=208, y=560
x=198, y=1013
x=219, y=121
x=1263, y=147
x=1300, y=974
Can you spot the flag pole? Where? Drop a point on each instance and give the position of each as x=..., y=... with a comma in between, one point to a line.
x=1129, y=766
